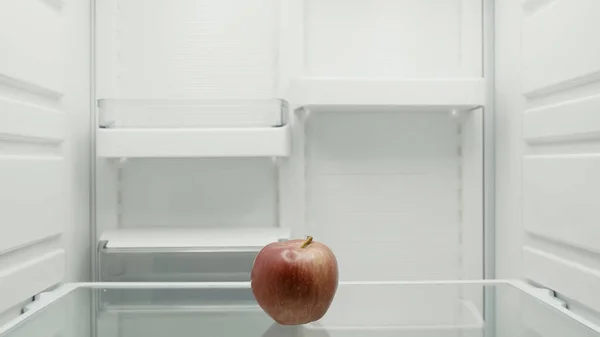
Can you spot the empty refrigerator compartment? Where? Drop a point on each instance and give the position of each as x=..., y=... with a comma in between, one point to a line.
x=192, y=128
x=224, y=193
x=192, y=219
x=381, y=182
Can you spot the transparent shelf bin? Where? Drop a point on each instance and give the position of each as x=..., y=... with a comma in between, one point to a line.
x=217, y=128
x=386, y=309
x=182, y=254
x=190, y=113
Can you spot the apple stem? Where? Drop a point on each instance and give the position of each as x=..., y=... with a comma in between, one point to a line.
x=307, y=242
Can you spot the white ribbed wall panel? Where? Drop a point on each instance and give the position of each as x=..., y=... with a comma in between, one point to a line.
x=549, y=147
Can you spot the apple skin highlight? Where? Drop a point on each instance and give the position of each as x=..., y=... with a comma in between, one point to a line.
x=295, y=281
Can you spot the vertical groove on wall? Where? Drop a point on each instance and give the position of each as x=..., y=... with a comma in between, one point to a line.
x=303, y=117
x=95, y=263
x=459, y=153
x=488, y=204
x=277, y=191
x=460, y=189
x=93, y=122
x=120, y=193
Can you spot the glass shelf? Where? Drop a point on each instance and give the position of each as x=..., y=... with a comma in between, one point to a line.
x=371, y=309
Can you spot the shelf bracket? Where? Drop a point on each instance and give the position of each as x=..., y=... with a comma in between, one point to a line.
x=551, y=294
x=454, y=113
x=44, y=298
x=119, y=162
x=107, y=125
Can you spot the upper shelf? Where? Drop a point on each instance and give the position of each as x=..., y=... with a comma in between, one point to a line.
x=192, y=128
x=257, y=128
x=191, y=113
x=193, y=143
x=192, y=239
x=462, y=94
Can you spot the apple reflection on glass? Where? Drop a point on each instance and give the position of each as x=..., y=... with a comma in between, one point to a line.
x=295, y=281
x=278, y=330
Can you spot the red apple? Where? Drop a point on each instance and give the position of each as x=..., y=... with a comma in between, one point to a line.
x=295, y=281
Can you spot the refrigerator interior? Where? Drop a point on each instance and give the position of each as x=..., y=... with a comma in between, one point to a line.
x=225, y=125
x=194, y=132
x=299, y=140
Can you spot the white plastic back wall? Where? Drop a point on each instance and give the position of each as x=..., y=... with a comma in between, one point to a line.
x=252, y=49
x=187, y=48
x=199, y=193
x=392, y=38
x=385, y=184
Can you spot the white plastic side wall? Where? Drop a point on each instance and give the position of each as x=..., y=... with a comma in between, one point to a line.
x=44, y=140
x=548, y=136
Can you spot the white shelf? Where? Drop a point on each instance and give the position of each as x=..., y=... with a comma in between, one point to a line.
x=210, y=240
x=322, y=91
x=193, y=142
